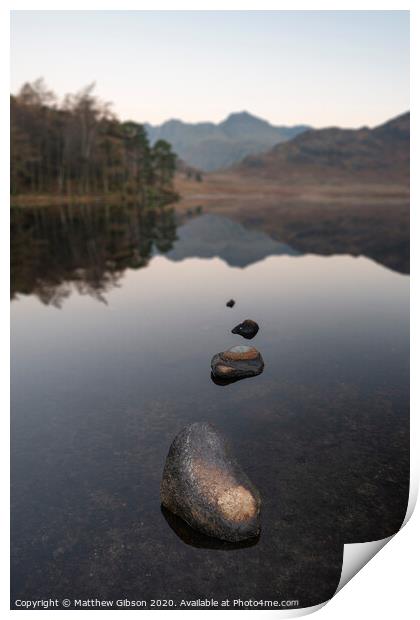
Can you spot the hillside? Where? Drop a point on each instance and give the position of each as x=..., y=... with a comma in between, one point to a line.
x=210, y=146
x=382, y=154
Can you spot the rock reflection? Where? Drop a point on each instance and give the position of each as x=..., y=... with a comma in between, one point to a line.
x=57, y=249
x=196, y=539
x=220, y=381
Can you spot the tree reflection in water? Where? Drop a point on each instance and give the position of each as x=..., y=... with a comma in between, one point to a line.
x=57, y=249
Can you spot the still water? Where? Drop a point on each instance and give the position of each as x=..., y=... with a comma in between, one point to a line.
x=116, y=314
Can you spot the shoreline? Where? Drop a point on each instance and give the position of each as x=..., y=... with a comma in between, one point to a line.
x=222, y=191
x=56, y=200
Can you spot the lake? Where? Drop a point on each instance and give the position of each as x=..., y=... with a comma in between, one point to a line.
x=116, y=313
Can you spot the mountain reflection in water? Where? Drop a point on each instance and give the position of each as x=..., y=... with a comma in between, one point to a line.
x=55, y=250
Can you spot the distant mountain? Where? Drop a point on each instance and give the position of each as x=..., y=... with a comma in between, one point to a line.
x=208, y=236
x=210, y=146
x=381, y=153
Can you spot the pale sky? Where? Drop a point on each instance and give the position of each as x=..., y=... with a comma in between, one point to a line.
x=346, y=68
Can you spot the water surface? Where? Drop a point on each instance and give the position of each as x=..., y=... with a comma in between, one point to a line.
x=115, y=317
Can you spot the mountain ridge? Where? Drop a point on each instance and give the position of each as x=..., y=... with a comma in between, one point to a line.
x=382, y=152
x=211, y=146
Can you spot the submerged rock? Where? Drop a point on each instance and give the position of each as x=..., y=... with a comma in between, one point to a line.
x=248, y=329
x=204, y=485
x=230, y=303
x=237, y=363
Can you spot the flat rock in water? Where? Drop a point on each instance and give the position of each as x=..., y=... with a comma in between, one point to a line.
x=237, y=363
x=248, y=329
x=203, y=484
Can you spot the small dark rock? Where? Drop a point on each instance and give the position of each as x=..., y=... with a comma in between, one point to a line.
x=237, y=363
x=248, y=329
x=204, y=485
x=230, y=303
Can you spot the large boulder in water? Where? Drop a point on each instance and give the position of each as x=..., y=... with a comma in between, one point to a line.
x=237, y=363
x=203, y=484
